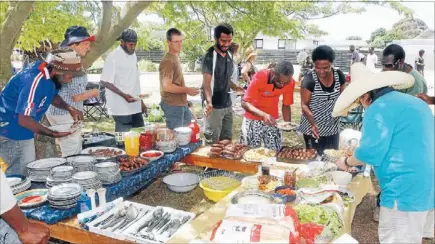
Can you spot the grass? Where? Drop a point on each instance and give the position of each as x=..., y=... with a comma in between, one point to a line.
x=289, y=138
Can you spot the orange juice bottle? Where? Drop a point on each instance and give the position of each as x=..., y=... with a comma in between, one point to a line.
x=131, y=141
x=3, y=165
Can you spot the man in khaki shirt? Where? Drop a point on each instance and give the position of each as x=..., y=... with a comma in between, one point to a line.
x=172, y=88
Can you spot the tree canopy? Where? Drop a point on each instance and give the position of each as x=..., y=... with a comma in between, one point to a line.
x=28, y=24
x=406, y=28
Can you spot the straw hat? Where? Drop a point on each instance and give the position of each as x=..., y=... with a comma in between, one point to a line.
x=250, y=52
x=363, y=81
x=65, y=60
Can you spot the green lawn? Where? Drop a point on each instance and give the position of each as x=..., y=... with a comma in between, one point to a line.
x=289, y=138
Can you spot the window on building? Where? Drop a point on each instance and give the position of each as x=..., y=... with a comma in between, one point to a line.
x=258, y=43
x=290, y=44
x=281, y=44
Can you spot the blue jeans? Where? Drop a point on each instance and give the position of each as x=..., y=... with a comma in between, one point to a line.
x=17, y=154
x=7, y=234
x=176, y=116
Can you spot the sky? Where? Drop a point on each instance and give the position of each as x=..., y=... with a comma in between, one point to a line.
x=365, y=23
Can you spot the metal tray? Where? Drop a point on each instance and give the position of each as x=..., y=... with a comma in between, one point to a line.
x=131, y=172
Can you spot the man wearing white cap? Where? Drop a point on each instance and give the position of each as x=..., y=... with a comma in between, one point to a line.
x=399, y=147
x=121, y=77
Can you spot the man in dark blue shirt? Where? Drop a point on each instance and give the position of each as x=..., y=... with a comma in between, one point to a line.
x=26, y=98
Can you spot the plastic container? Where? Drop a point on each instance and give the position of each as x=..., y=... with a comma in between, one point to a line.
x=131, y=140
x=84, y=203
x=195, y=137
x=146, y=140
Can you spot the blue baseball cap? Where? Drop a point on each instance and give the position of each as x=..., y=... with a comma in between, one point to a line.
x=76, y=34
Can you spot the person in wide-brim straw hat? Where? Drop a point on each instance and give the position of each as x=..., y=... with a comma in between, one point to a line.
x=398, y=141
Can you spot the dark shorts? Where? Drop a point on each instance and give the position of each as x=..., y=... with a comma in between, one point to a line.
x=123, y=123
x=176, y=116
x=324, y=142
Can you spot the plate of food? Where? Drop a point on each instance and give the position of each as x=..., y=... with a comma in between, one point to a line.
x=286, y=126
x=130, y=165
x=103, y=152
x=296, y=155
x=268, y=183
x=32, y=198
x=258, y=154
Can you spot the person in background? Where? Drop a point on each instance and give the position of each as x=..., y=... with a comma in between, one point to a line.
x=361, y=55
x=248, y=69
x=393, y=58
x=419, y=62
x=192, y=109
x=121, y=77
x=306, y=66
x=216, y=86
x=78, y=39
x=173, y=89
x=372, y=59
x=26, y=98
x=15, y=228
x=355, y=55
x=398, y=141
x=320, y=89
x=261, y=105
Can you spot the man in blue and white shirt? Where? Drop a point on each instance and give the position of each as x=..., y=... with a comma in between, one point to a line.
x=26, y=98
x=78, y=39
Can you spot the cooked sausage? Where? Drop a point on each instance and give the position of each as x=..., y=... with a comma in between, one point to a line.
x=225, y=142
x=216, y=149
x=228, y=152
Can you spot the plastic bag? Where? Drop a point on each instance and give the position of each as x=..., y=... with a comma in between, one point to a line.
x=155, y=114
x=310, y=231
x=267, y=223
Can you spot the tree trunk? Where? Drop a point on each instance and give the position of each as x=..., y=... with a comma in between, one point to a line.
x=111, y=29
x=10, y=31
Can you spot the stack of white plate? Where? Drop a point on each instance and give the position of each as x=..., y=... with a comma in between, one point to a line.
x=64, y=196
x=83, y=163
x=39, y=170
x=18, y=183
x=108, y=172
x=60, y=175
x=88, y=180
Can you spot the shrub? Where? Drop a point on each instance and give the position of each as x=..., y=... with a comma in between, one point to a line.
x=147, y=66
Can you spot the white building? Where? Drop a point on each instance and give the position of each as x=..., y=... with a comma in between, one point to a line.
x=275, y=43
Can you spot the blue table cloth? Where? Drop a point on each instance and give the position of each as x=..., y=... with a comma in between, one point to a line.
x=126, y=187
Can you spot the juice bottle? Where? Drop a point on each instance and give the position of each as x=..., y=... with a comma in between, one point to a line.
x=131, y=140
x=3, y=165
x=195, y=131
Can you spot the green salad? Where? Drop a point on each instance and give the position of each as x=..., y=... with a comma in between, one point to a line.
x=322, y=216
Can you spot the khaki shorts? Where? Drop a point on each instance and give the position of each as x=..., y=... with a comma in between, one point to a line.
x=405, y=227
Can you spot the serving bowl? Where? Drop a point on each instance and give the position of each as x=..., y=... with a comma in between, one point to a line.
x=165, y=134
x=183, y=135
x=166, y=146
x=341, y=178
x=285, y=198
x=152, y=155
x=181, y=182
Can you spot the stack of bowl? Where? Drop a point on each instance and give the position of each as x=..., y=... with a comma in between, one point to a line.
x=183, y=135
x=166, y=140
x=59, y=175
x=64, y=196
x=108, y=172
x=83, y=163
x=88, y=180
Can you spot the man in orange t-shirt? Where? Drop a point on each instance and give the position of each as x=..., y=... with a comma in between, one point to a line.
x=261, y=105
